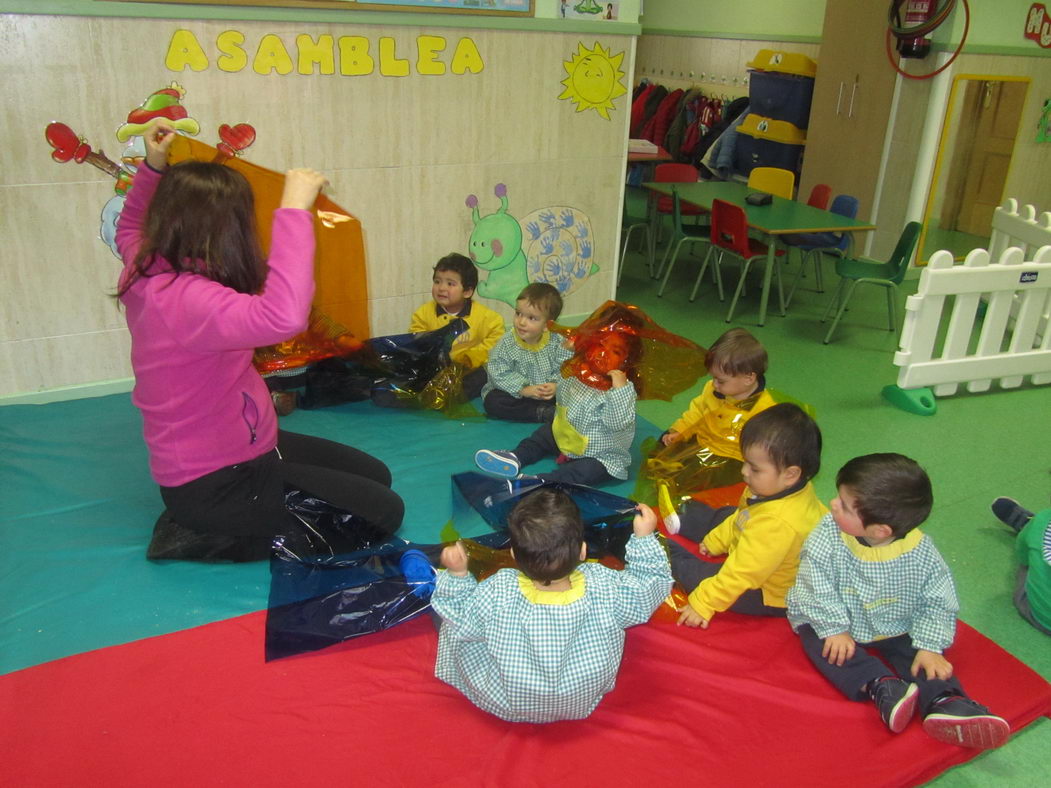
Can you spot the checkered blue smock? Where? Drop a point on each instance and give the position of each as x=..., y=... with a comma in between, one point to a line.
x=528, y=661
x=513, y=364
x=874, y=592
x=605, y=420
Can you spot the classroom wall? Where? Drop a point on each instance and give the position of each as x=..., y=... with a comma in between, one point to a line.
x=685, y=43
x=403, y=154
x=716, y=65
x=746, y=19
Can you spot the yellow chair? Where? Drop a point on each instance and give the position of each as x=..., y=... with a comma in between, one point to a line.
x=773, y=180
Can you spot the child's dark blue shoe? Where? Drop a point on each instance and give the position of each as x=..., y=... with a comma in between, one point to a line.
x=896, y=701
x=957, y=720
x=498, y=463
x=1009, y=512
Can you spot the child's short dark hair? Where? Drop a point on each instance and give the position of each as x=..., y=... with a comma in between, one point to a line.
x=789, y=436
x=737, y=352
x=544, y=297
x=889, y=489
x=462, y=265
x=546, y=533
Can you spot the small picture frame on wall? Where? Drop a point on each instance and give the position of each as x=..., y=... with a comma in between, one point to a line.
x=486, y=7
x=592, y=10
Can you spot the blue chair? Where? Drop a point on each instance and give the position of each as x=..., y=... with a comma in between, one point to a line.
x=686, y=233
x=813, y=245
x=887, y=275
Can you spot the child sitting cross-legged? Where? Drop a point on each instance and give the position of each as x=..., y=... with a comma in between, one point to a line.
x=870, y=581
x=544, y=642
x=761, y=537
x=524, y=366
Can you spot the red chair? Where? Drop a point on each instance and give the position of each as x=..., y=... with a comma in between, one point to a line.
x=730, y=234
x=819, y=196
x=674, y=173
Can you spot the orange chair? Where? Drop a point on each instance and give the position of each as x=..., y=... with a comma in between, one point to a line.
x=819, y=196
x=773, y=180
x=730, y=234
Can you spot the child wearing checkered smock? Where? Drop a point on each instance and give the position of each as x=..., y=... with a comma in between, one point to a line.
x=869, y=580
x=594, y=423
x=523, y=368
x=544, y=642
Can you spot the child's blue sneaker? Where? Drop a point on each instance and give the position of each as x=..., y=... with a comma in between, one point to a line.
x=499, y=463
x=896, y=700
x=1010, y=512
x=957, y=720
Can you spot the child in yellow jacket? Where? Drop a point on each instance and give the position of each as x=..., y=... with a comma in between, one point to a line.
x=762, y=537
x=452, y=290
x=701, y=449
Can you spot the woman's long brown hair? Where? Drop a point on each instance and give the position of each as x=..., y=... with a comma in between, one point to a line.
x=202, y=220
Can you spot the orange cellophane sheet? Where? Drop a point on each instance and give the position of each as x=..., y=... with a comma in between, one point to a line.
x=341, y=298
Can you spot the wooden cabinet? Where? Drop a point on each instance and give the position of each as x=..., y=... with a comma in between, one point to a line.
x=853, y=93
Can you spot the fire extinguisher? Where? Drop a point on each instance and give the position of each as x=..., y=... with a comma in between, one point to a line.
x=912, y=20
x=916, y=13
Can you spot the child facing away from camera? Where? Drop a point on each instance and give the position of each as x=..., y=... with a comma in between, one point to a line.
x=594, y=422
x=544, y=642
x=524, y=366
x=869, y=580
x=452, y=290
x=761, y=537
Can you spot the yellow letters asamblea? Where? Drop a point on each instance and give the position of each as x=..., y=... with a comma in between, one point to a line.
x=353, y=56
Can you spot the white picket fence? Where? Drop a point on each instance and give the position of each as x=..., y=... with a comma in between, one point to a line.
x=1014, y=341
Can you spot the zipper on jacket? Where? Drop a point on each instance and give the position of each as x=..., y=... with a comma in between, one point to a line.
x=249, y=406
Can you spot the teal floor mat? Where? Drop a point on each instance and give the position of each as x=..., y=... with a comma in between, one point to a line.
x=78, y=506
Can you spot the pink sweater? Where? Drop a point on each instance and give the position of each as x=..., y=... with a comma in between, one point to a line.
x=203, y=404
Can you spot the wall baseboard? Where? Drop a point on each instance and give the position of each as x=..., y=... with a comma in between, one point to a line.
x=81, y=391
x=123, y=385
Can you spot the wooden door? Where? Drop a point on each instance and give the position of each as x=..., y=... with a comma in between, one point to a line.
x=984, y=143
x=852, y=100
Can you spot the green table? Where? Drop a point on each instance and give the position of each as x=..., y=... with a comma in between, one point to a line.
x=780, y=217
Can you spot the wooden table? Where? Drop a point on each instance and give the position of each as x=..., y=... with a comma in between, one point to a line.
x=649, y=158
x=780, y=217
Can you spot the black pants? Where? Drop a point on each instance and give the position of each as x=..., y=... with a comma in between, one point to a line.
x=501, y=405
x=695, y=521
x=583, y=470
x=234, y=513
x=854, y=674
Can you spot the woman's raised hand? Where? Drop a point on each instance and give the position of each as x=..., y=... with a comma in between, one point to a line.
x=158, y=136
x=301, y=188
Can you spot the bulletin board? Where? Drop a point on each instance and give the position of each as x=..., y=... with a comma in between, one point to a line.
x=484, y=7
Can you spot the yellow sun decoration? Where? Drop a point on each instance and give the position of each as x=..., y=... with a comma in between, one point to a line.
x=594, y=79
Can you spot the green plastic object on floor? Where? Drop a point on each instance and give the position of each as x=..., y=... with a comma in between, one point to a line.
x=919, y=401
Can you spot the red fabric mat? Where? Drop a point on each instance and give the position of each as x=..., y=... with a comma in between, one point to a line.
x=737, y=704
